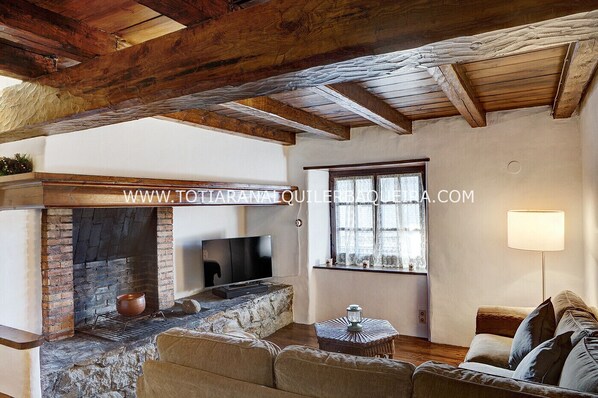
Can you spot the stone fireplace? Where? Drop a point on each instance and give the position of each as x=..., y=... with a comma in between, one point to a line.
x=86, y=261
x=90, y=256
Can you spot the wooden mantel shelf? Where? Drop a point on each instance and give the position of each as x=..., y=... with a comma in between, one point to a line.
x=19, y=339
x=48, y=190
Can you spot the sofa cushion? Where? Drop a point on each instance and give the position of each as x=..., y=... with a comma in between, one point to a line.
x=581, y=323
x=580, y=371
x=242, y=359
x=488, y=369
x=500, y=320
x=316, y=373
x=567, y=300
x=545, y=362
x=536, y=328
x=490, y=349
x=166, y=380
x=432, y=380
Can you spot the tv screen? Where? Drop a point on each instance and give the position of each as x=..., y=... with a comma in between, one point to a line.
x=236, y=260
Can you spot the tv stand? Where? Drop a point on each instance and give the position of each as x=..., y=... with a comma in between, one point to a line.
x=238, y=290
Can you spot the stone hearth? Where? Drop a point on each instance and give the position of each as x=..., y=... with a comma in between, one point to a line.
x=84, y=365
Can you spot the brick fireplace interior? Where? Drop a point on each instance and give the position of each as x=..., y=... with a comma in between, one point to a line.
x=90, y=256
x=114, y=252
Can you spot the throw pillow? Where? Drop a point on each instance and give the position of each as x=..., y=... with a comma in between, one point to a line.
x=567, y=300
x=535, y=329
x=545, y=362
x=581, y=323
x=580, y=371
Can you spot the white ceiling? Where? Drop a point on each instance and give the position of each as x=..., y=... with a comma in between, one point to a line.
x=7, y=82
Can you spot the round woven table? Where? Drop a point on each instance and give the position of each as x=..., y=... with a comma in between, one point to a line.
x=375, y=340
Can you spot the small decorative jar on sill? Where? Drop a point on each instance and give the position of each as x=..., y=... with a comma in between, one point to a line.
x=354, y=316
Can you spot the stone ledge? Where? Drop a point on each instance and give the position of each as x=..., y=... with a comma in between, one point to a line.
x=88, y=366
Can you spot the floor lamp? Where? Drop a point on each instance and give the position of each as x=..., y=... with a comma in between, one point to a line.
x=537, y=230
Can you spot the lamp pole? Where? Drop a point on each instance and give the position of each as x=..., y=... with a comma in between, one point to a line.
x=543, y=278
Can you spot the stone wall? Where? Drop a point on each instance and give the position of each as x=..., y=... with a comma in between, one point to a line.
x=114, y=373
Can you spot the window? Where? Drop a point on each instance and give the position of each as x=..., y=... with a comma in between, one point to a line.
x=379, y=215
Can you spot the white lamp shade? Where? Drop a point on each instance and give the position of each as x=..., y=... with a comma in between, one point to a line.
x=539, y=230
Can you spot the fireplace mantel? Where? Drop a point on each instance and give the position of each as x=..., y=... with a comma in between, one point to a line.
x=50, y=190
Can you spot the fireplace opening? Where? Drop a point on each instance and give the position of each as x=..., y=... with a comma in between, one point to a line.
x=114, y=253
x=91, y=256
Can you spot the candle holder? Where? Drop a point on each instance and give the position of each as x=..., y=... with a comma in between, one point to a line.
x=354, y=316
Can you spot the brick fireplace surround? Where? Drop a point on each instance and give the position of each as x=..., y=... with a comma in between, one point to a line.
x=82, y=274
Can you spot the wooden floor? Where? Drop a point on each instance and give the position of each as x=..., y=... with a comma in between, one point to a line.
x=410, y=349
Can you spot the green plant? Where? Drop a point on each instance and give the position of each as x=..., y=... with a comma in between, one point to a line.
x=15, y=165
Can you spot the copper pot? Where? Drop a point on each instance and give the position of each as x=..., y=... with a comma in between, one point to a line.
x=131, y=304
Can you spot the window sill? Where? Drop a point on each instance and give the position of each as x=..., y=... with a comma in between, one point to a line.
x=371, y=269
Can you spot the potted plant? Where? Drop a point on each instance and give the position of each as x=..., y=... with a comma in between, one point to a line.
x=16, y=165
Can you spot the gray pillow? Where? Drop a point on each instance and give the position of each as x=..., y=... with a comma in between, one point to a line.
x=535, y=329
x=567, y=300
x=580, y=371
x=581, y=323
x=545, y=362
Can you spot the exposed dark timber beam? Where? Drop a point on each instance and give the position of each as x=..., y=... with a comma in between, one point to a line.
x=277, y=112
x=188, y=12
x=50, y=33
x=358, y=100
x=455, y=84
x=225, y=124
x=24, y=65
x=255, y=52
x=579, y=68
x=251, y=3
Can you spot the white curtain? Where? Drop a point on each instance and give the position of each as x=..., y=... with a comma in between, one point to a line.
x=399, y=238
x=355, y=208
x=401, y=234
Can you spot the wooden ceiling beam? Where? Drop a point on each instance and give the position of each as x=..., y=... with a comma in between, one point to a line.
x=24, y=65
x=280, y=113
x=33, y=27
x=345, y=40
x=215, y=122
x=251, y=3
x=360, y=101
x=457, y=87
x=579, y=68
x=189, y=12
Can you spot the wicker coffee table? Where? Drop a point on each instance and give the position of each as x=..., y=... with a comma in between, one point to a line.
x=375, y=340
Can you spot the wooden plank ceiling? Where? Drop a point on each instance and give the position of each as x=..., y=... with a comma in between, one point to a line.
x=41, y=37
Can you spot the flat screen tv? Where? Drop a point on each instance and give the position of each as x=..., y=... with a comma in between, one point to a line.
x=236, y=260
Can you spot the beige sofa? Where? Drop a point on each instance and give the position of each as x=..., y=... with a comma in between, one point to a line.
x=496, y=327
x=195, y=364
